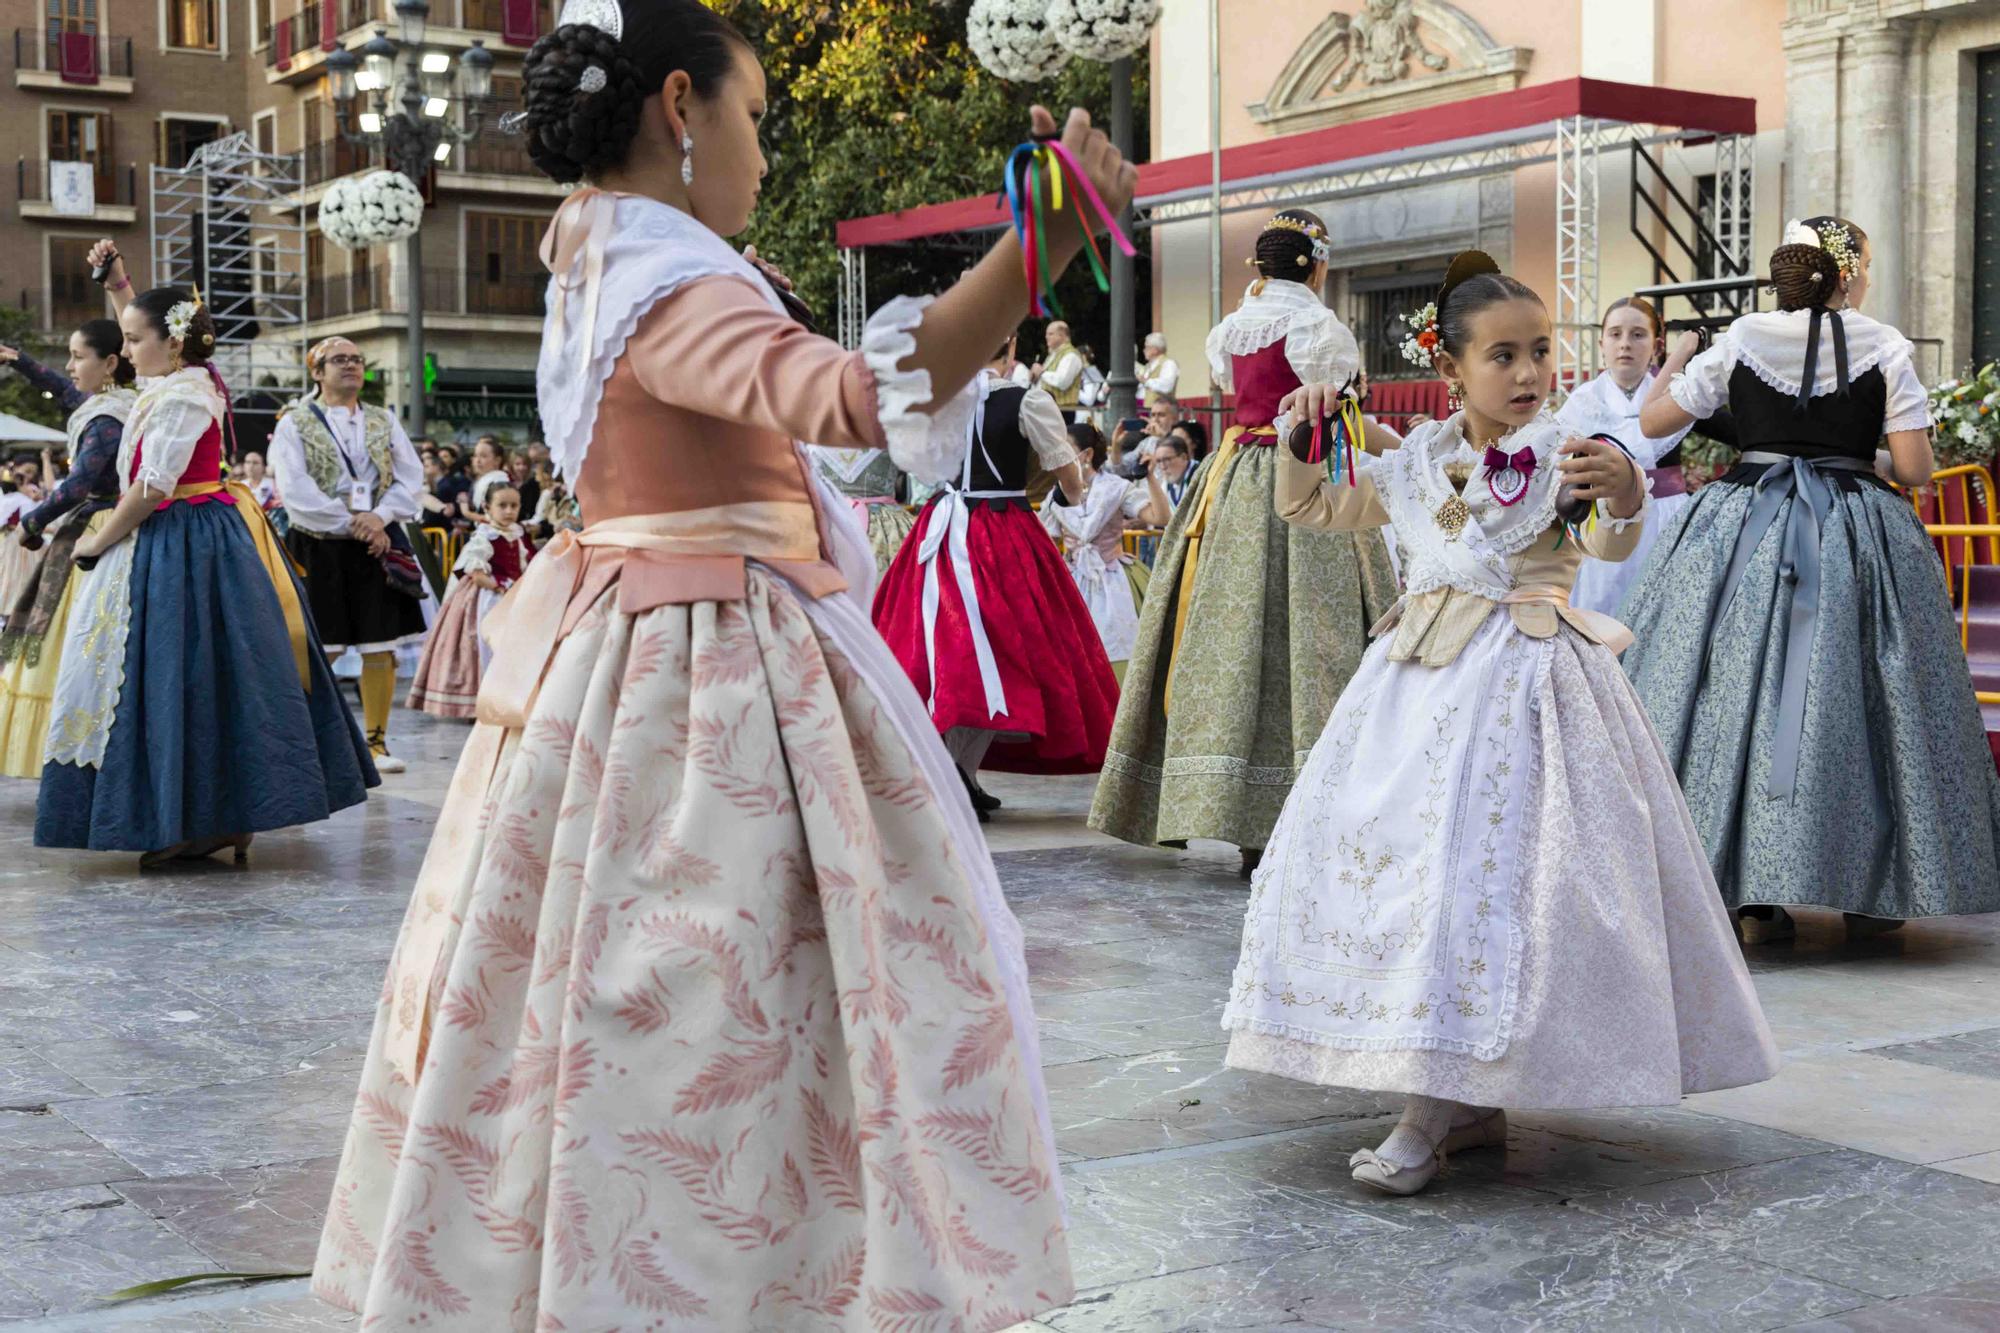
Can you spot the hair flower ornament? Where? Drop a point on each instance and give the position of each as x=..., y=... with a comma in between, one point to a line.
x=1420, y=346
x=1831, y=237
x=180, y=319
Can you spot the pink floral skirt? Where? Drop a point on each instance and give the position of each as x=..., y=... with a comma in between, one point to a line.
x=730, y=1030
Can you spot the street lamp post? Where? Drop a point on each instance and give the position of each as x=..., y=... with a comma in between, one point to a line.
x=409, y=96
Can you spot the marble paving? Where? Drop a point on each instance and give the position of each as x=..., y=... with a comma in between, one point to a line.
x=178, y=1051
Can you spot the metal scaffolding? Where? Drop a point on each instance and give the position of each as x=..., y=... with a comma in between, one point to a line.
x=1576, y=314
x=229, y=223
x=853, y=296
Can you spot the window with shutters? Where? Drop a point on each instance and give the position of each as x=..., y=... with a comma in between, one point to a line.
x=85, y=136
x=179, y=138
x=1986, y=214
x=195, y=25
x=61, y=16
x=73, y=297
x=503, y=273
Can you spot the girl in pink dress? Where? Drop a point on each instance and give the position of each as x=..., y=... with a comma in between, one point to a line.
x=708, y=1011
x=447, y=679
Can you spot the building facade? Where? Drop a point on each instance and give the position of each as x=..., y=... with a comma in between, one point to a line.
x=104, y=90
x=1895, y=116
x=1882, y=111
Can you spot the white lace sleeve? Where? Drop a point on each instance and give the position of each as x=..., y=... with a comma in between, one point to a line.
x=477, y=553
x=1322, y=351
x=1909, y=407
x=1703, y=388
x=173, y=428
x=1220, y=368
x=928, y=446
x=1042, y=422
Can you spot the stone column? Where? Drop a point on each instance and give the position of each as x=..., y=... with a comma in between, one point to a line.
x=1812, y=125
x=1878, y=150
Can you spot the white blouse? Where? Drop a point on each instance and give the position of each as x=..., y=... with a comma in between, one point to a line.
x=169, y=420
x=1773, y=345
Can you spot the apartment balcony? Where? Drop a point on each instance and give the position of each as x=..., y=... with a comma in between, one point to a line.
x=355, y=304
x=114, y=200
x=295, y=48
x=74, y=63
x=495, y=164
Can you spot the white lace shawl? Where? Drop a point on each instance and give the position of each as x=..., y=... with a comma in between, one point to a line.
x=1320, y=348
x=654, y=250
x=169, y=418
x=1412, y=484
x=1773, y=345
x=1599, y=406
x=116, y=403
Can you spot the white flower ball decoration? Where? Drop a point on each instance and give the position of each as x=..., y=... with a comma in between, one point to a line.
x=359, y=211
x=1012, y=40
x=1102, y=30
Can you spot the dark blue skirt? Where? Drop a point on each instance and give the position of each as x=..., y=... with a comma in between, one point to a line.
x=212, y=735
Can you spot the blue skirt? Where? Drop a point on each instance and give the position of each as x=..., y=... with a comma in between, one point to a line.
x=1895, y=811
x=212, y=735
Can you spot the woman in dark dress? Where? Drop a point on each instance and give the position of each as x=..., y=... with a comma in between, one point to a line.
x=1796, y=647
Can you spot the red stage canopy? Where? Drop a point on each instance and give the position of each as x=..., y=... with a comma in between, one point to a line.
x=1410, y=135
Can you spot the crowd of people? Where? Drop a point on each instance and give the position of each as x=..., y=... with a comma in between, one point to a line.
x=708, y=1002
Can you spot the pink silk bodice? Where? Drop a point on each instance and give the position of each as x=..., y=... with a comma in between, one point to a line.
x=700, y=413
x=1263, y=378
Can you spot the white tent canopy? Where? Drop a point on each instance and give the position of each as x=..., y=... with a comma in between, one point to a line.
x=15, y=431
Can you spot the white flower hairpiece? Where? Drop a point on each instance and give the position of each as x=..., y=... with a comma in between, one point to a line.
x=181, y=319
x=1420, y=347
x=1835, y=239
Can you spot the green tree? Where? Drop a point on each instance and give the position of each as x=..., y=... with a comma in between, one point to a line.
x=17, y=396
x=877, y=105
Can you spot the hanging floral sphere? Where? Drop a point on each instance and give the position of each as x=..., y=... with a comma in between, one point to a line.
x=359, y=211
x=1012, y=40
x=1102, y=30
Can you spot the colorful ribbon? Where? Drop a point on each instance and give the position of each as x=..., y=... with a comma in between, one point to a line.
x=1339, y=456
x=1042, y=176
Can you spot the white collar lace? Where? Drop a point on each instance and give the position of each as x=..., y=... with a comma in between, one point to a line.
x=1773, y=344
x=1412, y=482
x=1266, y=316
x=618, y=256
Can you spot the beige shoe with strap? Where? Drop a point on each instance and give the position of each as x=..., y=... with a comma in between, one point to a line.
x=1378, y=1172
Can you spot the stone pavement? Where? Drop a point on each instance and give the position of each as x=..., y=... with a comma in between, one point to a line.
x=178, y=1051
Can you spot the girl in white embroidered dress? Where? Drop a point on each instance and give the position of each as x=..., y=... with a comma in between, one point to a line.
x=1485, y=861
x=1093, y=535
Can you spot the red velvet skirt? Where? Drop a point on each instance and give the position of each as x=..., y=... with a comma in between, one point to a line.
x=1061, y=695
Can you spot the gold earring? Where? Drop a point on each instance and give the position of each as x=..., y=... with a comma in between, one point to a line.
x=1454, y=397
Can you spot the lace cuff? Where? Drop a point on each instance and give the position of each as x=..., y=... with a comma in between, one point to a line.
x=1645, y=507
x=1917, y=418
x=928, y=446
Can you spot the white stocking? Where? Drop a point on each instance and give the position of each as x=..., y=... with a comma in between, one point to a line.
x=967, y=747
x=1425, y=1122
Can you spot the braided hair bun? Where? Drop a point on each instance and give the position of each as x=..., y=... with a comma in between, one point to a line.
x=1284, y=252
x=1804, y=276
x=584, y=90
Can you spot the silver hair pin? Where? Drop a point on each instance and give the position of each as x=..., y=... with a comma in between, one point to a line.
x=514, y=122
x=593, y=79
x=604, y=15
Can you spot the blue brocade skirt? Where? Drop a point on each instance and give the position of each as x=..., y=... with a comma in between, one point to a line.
x=1896, y=808
x=212, y=734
